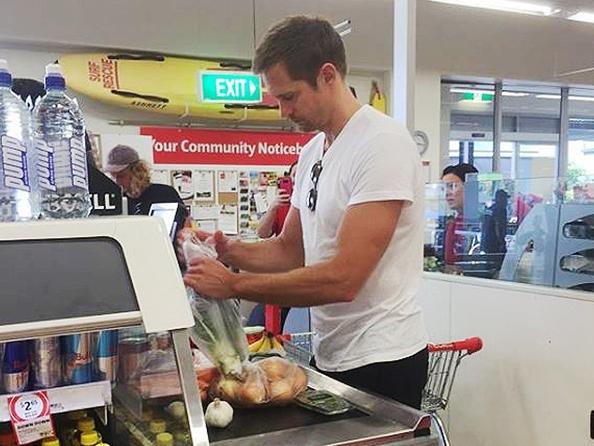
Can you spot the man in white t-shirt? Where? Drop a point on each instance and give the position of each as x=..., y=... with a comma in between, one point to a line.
x=351, y=247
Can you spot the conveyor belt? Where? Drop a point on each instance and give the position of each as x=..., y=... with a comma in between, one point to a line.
x=247, y=422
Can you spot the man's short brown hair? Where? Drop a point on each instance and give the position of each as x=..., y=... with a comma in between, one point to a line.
x=303, y=44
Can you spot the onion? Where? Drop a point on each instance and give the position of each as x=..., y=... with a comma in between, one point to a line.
x=299, y=381
x=275, y=368
x=282, y=391
x=253, y=391
x=227, y=389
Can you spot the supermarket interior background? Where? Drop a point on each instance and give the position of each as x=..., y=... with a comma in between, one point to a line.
x=507, y=89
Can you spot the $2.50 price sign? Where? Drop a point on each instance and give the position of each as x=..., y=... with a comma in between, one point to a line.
x=30, y=416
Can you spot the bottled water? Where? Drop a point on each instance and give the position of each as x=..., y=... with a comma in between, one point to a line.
x=58, y=132
x=17, y=162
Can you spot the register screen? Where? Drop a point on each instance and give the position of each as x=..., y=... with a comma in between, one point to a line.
x=53, y=279
x=166, y=212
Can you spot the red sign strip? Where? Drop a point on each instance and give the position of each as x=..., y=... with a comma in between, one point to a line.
x=197, y=146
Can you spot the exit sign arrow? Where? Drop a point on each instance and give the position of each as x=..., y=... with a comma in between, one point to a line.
x=229, y=87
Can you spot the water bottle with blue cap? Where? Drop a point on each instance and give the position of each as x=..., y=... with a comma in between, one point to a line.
x=17, y=163
x=59, y=135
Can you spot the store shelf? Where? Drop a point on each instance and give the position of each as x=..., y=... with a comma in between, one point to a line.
x=133, y=430
x=150, y=386
x=68, y=398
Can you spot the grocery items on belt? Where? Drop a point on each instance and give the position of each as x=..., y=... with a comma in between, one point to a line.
x=218, y=413
x=219, y=335
x=268, y=342
x=272, y=381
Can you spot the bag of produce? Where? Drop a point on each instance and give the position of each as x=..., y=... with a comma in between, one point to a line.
x=271, y=381
x=217, y=331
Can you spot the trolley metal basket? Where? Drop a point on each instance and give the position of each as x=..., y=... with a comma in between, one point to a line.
x=299, y=347
x=444, y=360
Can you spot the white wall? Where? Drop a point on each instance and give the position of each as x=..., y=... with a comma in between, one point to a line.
x=427, y=115
x=532, y=382
x=480, y=42
x=473, y=42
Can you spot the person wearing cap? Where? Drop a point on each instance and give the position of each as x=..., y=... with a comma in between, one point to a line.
x=133, y=175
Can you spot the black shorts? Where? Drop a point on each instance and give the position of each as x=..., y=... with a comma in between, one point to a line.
x=402, y=380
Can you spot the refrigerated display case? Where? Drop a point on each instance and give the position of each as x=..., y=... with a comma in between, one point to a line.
x=67, y=278
x=63, y=278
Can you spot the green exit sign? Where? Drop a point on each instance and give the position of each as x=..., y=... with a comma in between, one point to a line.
x=229, y=87
x=478, y=97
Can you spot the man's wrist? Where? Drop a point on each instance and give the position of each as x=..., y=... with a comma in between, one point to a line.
x=229, y=256
x=234, y=284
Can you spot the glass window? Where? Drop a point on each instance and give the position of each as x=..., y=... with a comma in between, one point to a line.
x=580, y=159
x=530, y=133
x=467, y=113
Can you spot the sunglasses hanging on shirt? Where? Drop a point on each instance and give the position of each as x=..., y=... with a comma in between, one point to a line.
x=312, y=196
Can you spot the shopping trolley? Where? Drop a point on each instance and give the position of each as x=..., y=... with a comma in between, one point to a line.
x=444, y=360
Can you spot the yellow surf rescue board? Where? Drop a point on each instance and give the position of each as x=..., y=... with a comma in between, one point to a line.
x=158, y=83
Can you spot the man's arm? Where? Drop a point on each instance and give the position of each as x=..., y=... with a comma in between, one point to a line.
x=282, y=253
x=266, y=223
x=364, y=235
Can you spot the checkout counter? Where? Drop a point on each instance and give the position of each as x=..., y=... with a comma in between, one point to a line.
x=121, y=273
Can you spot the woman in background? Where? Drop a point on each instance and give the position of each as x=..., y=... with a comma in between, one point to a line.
x=453, y=178
x=273, y=220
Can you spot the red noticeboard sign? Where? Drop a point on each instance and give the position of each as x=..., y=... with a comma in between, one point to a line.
x=196, y=146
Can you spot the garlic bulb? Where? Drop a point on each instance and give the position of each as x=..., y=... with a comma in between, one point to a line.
x=177, y=409
x=218, y=413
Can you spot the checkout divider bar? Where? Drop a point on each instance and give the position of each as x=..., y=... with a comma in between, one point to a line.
x=189, y=385
x=74, y=325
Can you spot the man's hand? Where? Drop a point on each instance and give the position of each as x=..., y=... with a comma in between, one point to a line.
x=209, y=278
x=282, y=199
x=221, y=241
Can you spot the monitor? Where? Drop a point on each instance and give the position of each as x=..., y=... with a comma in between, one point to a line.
x=172, y=214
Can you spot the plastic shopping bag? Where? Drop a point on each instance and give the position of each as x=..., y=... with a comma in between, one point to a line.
x=217, y=330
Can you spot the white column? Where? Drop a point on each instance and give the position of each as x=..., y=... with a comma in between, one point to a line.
x=562, y=154
x=497, y=127
x=404, y=62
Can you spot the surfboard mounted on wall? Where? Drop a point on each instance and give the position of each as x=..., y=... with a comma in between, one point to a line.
x=157, y=83
x=377, y=99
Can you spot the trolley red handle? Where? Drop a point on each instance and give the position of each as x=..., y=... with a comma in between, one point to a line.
x=471, y=345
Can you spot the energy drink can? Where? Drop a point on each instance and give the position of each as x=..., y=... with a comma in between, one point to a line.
x=46, y=363
x=106, y=356
x=78, y=361
x=15, y=367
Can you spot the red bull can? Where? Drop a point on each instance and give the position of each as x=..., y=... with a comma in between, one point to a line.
x=46, y=363
x=106, y=356
x=78, y=360
x=15, y=367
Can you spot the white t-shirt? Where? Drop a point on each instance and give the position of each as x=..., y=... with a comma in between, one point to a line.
x=373, y=159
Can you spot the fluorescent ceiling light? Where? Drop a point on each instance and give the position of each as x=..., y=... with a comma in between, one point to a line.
x=470, y=90
x=343, y=28
x=503, y=5
x=516, y=94
x=581, y=98
x=571, y=98
x=587, y=17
